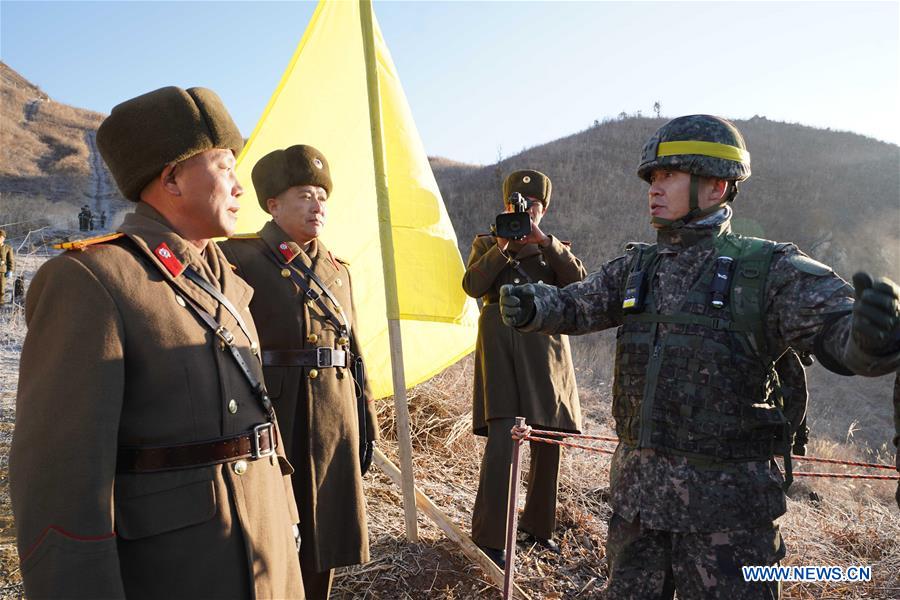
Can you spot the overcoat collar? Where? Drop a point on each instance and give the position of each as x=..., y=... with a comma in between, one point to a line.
x=172, y=254
x=317, y=257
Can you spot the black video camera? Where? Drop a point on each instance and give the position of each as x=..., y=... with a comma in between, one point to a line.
x=515, y=225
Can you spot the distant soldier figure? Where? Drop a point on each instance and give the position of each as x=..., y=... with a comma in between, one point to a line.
x=701, y=316
x=19, y=290
x=103, y=220
x=7, y=264
x=92, y=220
x=84, y=218
x=303, y=305
x=146, y=460
x=519, y=374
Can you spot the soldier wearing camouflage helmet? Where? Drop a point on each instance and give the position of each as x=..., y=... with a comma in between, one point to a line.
x=702, y=315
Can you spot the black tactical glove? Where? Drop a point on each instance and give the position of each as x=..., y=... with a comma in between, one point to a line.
x=367, y=457
x=517, y=304
x=876, y=314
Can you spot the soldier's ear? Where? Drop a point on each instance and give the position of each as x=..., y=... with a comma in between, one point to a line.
x=272, y=206
x=168, y=181
x=718, y=190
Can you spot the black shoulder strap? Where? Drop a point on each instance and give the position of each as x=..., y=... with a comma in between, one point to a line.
x=194, y=276
x=341, y=322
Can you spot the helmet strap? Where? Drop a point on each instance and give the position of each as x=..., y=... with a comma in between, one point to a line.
x=694, y=210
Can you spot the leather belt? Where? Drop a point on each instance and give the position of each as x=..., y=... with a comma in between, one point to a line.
x=321, y=358
x=260, y=442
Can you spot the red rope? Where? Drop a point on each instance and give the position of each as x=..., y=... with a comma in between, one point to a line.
x=543, y=440
x=845, y=475
x=833, y=461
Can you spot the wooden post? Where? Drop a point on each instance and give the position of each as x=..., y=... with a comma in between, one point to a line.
x=512, y=516
x=386, y=237
x=449, y=528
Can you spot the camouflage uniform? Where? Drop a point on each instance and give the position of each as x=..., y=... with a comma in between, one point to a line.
x=669, y=493
x=683, y=520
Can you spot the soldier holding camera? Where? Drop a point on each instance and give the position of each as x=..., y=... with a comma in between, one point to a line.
x=519, y=374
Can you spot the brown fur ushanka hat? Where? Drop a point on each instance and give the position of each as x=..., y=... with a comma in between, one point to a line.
x=143, y=135
x=531, y=184
x=282, y=169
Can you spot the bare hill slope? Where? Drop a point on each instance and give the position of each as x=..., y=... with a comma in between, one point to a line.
x=49, y=166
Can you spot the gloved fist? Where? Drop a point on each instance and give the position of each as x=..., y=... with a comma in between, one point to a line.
x=876, y=314
x=517, y=304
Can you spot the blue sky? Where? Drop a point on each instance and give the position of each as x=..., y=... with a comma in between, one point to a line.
x=481, y=76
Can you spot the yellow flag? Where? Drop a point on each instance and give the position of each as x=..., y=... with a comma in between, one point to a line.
x=322, y=101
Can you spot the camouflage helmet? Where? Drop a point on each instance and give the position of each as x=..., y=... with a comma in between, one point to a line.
x=698, y=144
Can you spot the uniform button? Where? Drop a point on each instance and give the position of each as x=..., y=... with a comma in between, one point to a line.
x=543, y=263
x=240, y=467
x=342, y=341
x=540, y=281
x=254, y=349
x=285, y=273
x=180, y=301
x=232, y=406
x=313, y=373
x=312, y=338
x=221, y=345
x=339, y=372
x=339, y=282
x=516, y=280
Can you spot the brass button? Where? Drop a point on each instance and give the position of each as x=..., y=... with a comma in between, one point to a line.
x=180, y=301
x=313, y=373
x=343, y=341
x=240, y=467
x=285, y=273
x=339, y=282
x=543, y=263
x=221, y=345
x=516, y=280
x=232, y=406
x=254, y=349
x=312, y=338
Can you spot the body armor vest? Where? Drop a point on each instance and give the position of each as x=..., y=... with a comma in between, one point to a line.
x=701, y=386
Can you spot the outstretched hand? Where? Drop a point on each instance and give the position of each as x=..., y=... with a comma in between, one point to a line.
x=517, y=304
x=876, y=314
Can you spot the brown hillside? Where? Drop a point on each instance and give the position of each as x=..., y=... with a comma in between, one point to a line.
x=46, y=158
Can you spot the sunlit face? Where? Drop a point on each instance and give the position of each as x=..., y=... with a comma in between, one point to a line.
x=670, y=194
x=209, y=195
x=535, y=209
x=300, y=211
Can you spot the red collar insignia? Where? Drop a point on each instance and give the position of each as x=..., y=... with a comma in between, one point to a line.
x=169, y=260
x=286, y=252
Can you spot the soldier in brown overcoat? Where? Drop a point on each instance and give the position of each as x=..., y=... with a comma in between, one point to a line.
x=146, y=462
x=518, y=374
x=303, y=306
x=7, y=264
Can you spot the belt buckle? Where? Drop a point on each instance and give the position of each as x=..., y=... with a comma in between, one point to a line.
x=257, y=436
x=324, y=357
x=226, y=336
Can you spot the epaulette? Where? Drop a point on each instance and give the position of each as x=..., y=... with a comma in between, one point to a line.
x=82, y=244
x=244, y=236
x=335, y=260
x=478, y=235
x=565, y=243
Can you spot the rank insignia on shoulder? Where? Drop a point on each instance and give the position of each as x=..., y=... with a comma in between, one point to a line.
x=82, y=244
x=805, y=264
x=244, y=236
x=169, y=260
x=334, y=260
